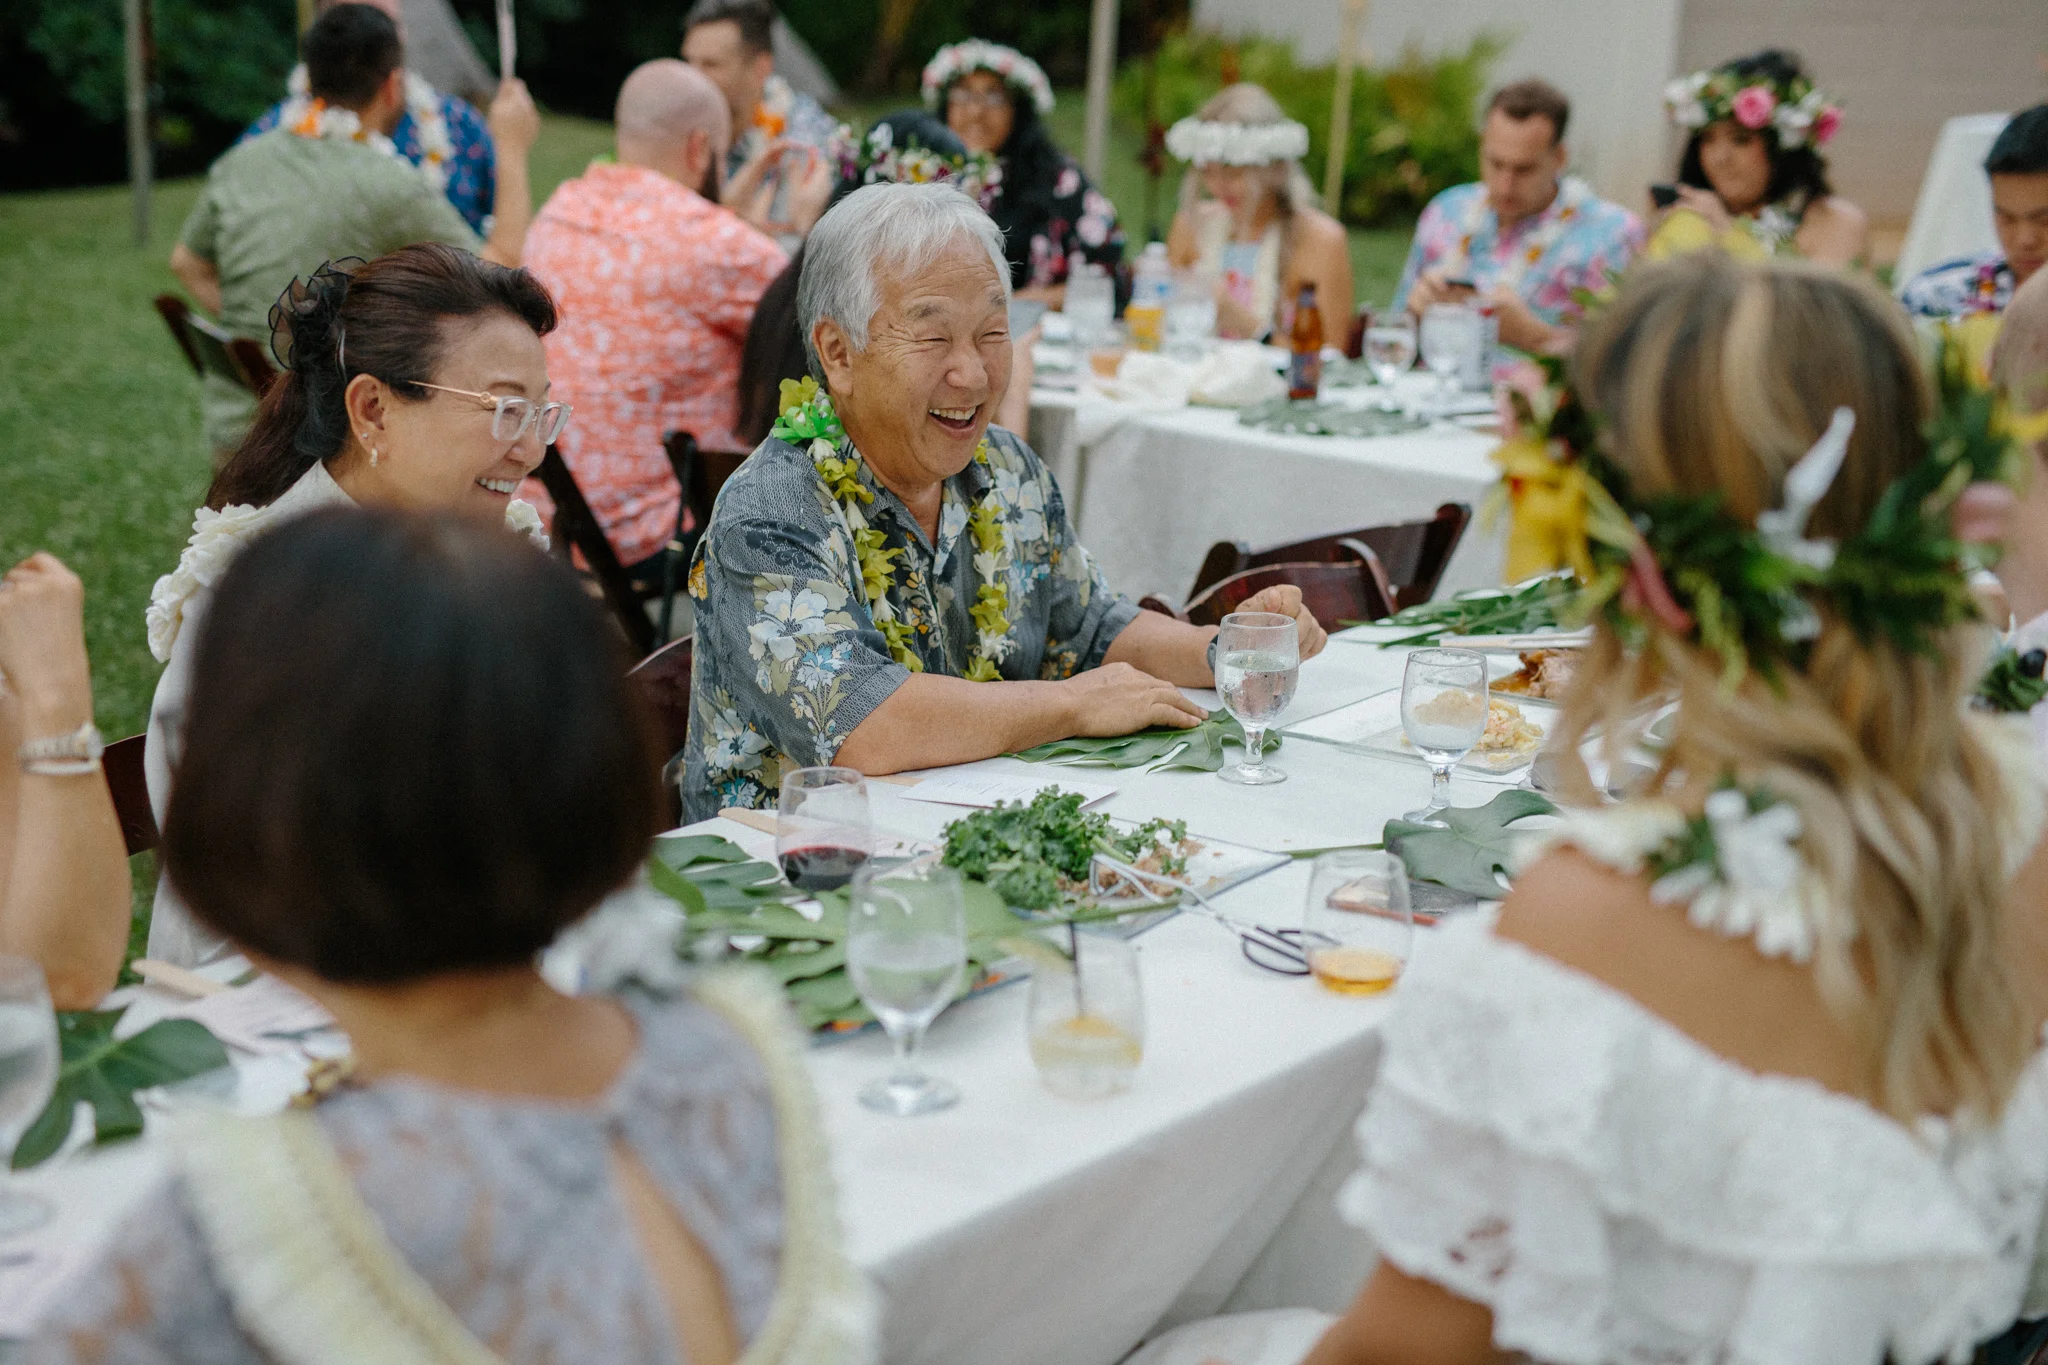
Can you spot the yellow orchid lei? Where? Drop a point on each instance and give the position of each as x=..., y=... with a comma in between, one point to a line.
x=805, y=418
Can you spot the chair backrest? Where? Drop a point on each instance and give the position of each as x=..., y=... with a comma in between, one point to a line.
x=1412, y=554
x=664, y=678
x=121, y=764
x=700, y=473
x=1343, y=591
x=212, y=349
x=576, y=525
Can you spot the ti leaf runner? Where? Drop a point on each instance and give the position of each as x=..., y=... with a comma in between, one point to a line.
x=1203, y=752
x=1473, y=853
x=106, y=1073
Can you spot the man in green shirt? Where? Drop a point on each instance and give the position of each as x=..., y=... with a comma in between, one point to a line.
x=333, y=186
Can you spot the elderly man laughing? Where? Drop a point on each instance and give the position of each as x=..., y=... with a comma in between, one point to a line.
x=889, y=582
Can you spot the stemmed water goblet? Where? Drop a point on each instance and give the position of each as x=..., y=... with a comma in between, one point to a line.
x=1258, y=663
x=1450, y=334
x=1443, y=713
x=1390, y=352
x=906, y=949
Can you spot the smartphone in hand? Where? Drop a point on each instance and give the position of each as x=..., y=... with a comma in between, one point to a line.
x=1663, y=196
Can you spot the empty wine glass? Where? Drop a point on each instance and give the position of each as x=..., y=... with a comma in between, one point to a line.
x=1358, y=926
x=1258, y=662
x=1390, y=351
x=28, y=1073
x=906, y=948
x=1443, y=713
x=1450, y=334
x=822, y=831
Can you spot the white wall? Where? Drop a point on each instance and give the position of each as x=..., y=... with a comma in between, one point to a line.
x=1612, y=57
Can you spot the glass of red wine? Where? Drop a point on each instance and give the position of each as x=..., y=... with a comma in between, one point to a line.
x=822, y=831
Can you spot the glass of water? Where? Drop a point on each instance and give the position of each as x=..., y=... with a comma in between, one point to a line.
x=28, y=1073
x=1390, y=352
x=1258, y=662
x=1443, y=713
x=1090, y=305
x=1450, y=334
x=906, y=949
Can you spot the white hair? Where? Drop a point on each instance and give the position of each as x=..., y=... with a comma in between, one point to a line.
x=881, y=226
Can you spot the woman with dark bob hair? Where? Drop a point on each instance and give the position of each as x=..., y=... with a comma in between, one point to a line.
x=1751, y=179
x=995, y=100
x=410, y=760
x=415, y=380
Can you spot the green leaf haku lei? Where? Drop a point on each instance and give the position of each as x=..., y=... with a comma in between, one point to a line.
x=806, y=419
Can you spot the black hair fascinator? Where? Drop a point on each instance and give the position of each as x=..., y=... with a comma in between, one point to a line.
x=305, y=322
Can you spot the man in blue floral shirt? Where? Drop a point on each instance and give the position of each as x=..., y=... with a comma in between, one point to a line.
x=2017, y=166
x=443, y=135
x=889, y=583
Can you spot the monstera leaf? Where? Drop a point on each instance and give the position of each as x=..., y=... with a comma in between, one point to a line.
x=1472, y=852
x=93, y=1066
x=1201, y=748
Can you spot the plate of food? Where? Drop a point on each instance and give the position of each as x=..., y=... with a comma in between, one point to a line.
x=1544, y=675
x=1512, y=737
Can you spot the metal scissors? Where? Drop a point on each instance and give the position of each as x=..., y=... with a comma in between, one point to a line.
x=1282, y=951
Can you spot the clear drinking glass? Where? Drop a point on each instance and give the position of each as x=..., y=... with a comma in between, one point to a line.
x=28, y=1073
x=1357, y=927
x=1443, y=713
x=1090, y=305
x=1087, y=1021
x=1258, y=663
x=822, y=831
x=1450, y=334
x=1190, y=314
x=906, y=948
x=1390, y=351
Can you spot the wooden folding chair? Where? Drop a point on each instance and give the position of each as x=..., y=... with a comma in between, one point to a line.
x=1346, y=590
x=121, y=765
x=212, y=349
x=1408, y=558
x=577, y=526
x=700, y=473
x=664, y=678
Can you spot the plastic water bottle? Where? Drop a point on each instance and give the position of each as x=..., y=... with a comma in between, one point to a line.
x=1151, y=287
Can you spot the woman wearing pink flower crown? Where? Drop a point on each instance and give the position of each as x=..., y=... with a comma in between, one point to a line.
x=1752, y=180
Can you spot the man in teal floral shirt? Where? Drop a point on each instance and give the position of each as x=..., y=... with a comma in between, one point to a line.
x=889, y=583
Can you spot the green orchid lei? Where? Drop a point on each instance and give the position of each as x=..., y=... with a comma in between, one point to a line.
x=805, y=418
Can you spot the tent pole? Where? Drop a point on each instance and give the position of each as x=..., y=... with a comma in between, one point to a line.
x=135, y=25
x=1101, y=68
x=1349, y=28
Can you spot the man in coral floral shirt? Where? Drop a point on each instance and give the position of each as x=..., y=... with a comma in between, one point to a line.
x=656, y=285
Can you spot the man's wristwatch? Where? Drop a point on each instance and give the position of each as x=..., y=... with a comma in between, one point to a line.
x=1212, y=650
x=71, y=755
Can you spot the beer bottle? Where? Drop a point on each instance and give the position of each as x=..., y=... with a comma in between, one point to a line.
x=1305, y=365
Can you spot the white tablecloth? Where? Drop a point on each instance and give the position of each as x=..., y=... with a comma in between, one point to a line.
x=1021, y=1227
x=1159, y=486
x=1952, y=216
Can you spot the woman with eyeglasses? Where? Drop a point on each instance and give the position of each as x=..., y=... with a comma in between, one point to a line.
x=413, y=381
x=995, y=99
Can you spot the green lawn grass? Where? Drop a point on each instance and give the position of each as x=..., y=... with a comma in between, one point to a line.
x=103, y=460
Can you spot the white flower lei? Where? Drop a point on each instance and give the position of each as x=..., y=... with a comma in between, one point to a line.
x=952, y=62
x=218, y=536
x=309, y=117
x=1203, y=143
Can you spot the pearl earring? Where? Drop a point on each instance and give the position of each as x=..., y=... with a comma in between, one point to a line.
x=375, y=455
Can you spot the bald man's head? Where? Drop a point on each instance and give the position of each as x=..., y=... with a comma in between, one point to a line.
x=661, y=105
x=2021, y=363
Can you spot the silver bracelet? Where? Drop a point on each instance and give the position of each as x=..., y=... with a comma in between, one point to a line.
x=69, y=755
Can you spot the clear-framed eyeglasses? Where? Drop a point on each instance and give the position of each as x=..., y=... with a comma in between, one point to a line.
x=963, y=99
x=513, y=417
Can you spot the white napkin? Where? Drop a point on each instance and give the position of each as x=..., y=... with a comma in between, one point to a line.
x=1236, y=374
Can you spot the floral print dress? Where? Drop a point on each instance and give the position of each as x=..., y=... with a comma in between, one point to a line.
x=1041, y=233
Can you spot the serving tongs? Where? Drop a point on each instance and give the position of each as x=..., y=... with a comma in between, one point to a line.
x=1283, y=951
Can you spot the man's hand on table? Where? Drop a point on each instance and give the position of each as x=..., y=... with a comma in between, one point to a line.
x=1117, y=699
x=1284, y=599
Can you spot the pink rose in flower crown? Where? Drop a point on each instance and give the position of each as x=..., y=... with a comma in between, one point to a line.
x=1825, y=125
x=1752, y=106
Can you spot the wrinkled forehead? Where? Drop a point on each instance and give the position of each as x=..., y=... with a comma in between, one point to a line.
x=960, y=277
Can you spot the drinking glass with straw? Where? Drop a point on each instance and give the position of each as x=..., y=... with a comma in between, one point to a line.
x=1086, y=1015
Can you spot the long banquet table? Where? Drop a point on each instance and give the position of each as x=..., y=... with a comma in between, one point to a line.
x=1021, y=1227
x=1156, y=486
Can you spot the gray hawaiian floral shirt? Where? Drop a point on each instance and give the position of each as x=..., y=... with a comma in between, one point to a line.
x=788, y=661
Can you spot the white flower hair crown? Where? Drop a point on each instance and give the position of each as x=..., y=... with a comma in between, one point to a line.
x=1796, y=109
x=955, y=60
x=1203, y=143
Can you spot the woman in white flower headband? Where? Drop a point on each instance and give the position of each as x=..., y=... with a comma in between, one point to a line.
x=416, y=380
x=1248, y=218
x=1751, y=179
x=1749, y=1065
x=995, y=99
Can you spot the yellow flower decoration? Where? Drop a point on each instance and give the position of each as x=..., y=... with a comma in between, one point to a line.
x=795, y=393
